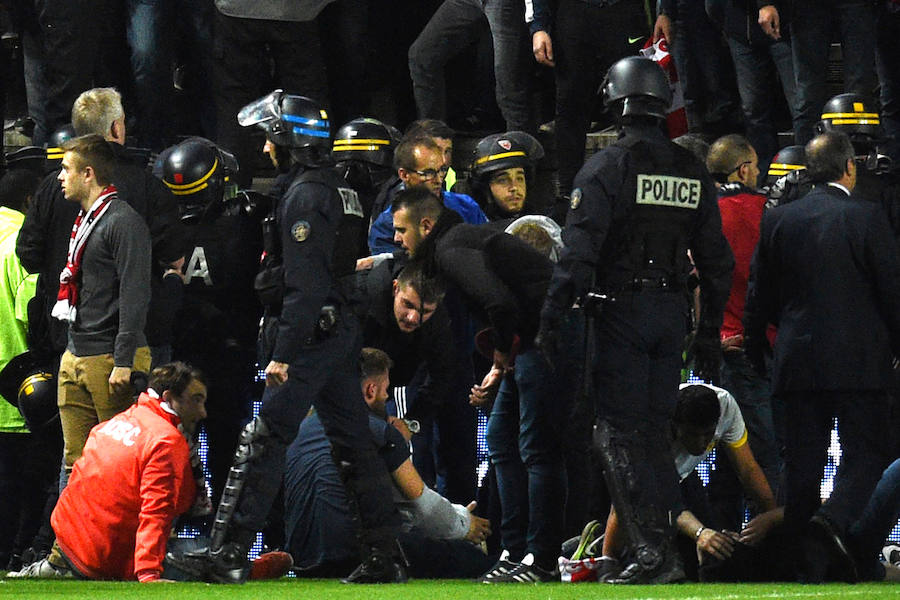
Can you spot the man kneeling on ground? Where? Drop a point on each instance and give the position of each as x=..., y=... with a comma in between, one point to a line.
x=134, y=477
x=438, y=538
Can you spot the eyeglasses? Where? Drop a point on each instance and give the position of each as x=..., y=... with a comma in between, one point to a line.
x=429, y=174
x=738, y=168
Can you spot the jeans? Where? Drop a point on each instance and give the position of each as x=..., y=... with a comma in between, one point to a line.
x=810, y=34
x=755, y=401
x=757, y=66
x=702, y=67
x=888, y=66
x=150, y=35
x=525, y=441
x=878, y=519
x=587, y=40
x=241, y=49
x=55, y=33
x=453, y=27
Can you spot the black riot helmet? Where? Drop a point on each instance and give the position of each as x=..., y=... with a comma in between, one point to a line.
x=501, y=151
x=366, y=140
x=54, y=151
x=291, y=121
x=198, y=173
x=636, y=86
x=37, y=401
x=857, y=116
x=27, y=383
x=789, y=158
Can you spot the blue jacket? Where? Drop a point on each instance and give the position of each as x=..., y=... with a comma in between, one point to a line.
x=381, y=233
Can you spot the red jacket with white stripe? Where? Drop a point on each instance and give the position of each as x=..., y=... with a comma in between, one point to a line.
x=134, y=477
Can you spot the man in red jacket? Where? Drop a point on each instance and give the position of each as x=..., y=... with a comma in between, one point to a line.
x=733, y=163
x=113, y=519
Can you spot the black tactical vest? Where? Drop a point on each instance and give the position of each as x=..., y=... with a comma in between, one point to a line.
x=655, y=213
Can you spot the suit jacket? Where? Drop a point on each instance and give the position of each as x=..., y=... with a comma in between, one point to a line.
x=826, y=272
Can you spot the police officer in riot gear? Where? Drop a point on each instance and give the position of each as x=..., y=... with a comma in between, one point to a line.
x=502, y=167
x=786, y=179
x=876, y=177
x=363, y=151
x=637, y=207
x=216, y=327
x=314, y=359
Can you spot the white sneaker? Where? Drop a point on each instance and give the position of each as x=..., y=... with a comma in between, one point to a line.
x=41, y=569
x=891, y=554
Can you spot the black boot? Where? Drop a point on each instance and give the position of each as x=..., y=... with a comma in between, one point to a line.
x=379, y=567
x=664, y=568
x=228, y=564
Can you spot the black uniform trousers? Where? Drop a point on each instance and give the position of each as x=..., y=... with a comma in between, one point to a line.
x=637, y=369
x=325, y=374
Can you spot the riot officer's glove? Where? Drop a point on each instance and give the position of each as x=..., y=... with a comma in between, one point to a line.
x=756, y=348
x=549, y=337
x=706, y=352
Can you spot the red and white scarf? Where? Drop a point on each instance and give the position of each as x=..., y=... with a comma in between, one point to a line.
x=67, y=298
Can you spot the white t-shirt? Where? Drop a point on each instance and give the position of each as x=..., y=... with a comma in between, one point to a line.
x=730, y=429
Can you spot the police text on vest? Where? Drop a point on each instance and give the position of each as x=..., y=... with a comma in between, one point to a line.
x=663, y=190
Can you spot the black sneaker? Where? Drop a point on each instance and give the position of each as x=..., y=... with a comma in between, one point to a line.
x=608, y=568
x=379, y=567
x=527, y=572
x=670, y=571
x=502, y=567
x=229, y=564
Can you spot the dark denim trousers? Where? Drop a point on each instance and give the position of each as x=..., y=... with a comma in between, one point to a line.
x=525, y=440
x=703, y=68
x=888, y=66
x=151, y=27
x=752, y=393
x=453, y=27
x=587, y=40
x=758, y=66
x=877, y=520
x=810, y=36
x=525, y=443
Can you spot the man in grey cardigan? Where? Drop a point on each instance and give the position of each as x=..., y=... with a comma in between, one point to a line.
x=104, y=293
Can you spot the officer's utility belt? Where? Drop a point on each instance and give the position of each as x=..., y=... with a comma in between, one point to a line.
x=638, y=284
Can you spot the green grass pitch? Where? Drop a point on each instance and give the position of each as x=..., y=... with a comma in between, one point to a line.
x=296, y=589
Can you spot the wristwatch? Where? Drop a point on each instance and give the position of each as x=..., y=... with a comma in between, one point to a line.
x=412, y=425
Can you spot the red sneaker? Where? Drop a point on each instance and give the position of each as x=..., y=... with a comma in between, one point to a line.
x=271, y=565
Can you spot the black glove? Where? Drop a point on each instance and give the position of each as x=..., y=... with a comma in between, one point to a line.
x=706, y=350
x=755, y=349
x=549, y=339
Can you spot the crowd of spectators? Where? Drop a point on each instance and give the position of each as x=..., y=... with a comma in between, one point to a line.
x=145, y=225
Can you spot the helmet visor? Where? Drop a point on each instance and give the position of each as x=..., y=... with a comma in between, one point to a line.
x=259, y=112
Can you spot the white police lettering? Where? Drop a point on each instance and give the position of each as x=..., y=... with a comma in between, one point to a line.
x=122, y=431
x=663, y=190
x=352, y=205
x=198, y=267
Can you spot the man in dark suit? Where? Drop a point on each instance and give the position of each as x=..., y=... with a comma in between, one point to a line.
x=826, y=272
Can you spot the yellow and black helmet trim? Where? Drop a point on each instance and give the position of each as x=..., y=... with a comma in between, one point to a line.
x=185, y=189
x=55, y=153
x=502, y=155
x=783, y=168
x=359, y=144
x=27, y=385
